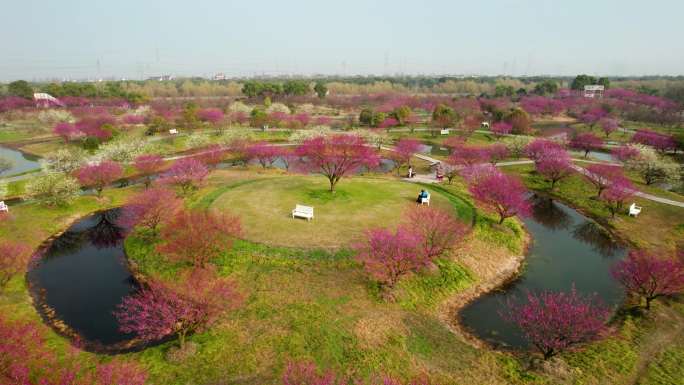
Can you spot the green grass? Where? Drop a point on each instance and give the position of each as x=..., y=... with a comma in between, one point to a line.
x=317, y=304
x=340, y=217
x=580, y=194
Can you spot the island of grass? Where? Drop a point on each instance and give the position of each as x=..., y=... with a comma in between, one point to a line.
x=309, y=299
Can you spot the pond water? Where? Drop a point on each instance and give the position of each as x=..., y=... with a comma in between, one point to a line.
x=428, y=149
x=20, y=162
x=567, y=249
x=83, y=275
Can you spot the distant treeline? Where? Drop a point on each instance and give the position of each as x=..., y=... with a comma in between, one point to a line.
x=489, y=86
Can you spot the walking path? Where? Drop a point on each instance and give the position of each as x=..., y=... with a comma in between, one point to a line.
x=429, y=178
x=426, y=178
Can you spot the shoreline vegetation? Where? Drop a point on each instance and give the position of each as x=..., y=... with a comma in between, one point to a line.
x=307, y=295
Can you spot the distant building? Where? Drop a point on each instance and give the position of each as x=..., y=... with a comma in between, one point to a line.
x=220, y=76
x=46, y=100
x=593, y=91
x=161, y=78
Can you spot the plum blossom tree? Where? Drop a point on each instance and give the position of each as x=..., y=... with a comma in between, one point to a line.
x=654, y=139
x=500, y=129
x=554, y=322
x=495, y=153
x=210, y=115
x=502, y=193
x=602, y=176
x=403, y=151
x=185, y=173
x=149, y=209
x=586, y=142
x=13, y=258
x=538, y=148
x=608, y=125
x=336, y=156
x=465, y=156
x=198, y=236
x=66, y=131
x=644, y=275
x=387, y=256
x=148, y=165
x=554, y=166
x=264, y=153
x=616, y=194
x=438, y=230
x=163, y=309
x=212, y=155
x=99, y=175
x=625, y=153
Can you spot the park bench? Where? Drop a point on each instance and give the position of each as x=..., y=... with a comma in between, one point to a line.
x=444, y=131
x=634, y=210
x=425, y=201
x=173, y=131
x=302, y=211
x=484, y=125
x=4, y=207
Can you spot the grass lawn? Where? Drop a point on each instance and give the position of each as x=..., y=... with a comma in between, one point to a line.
x=340, y=218
x=317, y=304
x=641, y=231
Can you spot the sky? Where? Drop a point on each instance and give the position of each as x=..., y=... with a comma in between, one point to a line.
x=76, y=39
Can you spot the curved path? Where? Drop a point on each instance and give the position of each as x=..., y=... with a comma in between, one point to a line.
x=428, y=178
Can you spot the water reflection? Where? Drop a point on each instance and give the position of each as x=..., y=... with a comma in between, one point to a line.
x=82, y=276
x=106, y=232
x=546, y=212
x=598, y=238
x=567, y=249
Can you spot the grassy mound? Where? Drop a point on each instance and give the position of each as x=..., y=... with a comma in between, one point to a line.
x=340, y=218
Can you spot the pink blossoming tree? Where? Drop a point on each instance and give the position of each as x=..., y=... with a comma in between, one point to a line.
x=602, y=176
x=616, y=194
x=586, y=142
x=264, y=153
x=198, y=236
x=403, y=152
x=13, y=259
x=148, y=165
x=149, y=209
x=502, y=193
x=647, y=276
x=99, y=175
x=163, y=309
x=336, y=156
x=185, y=173
x=554, y=166
x=555, y=322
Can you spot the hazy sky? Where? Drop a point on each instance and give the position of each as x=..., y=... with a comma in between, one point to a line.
x=139, y=38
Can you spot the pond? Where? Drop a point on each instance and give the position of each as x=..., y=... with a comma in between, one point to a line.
x=82, y=277
x=429, y=149
x=567, y=249
x=21, y=162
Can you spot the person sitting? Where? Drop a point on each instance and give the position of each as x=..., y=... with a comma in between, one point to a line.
x=423, y=194
x=439, y=173
x=410, y=172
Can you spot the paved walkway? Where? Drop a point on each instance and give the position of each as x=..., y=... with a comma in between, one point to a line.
x=430, y=178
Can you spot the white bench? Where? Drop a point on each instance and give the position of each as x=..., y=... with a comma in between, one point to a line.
x=444, y=131
x=4, y=207
x=425, y=201
x=484, y=125
x=302, y=211
x=634, y=210
x=173, y=131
